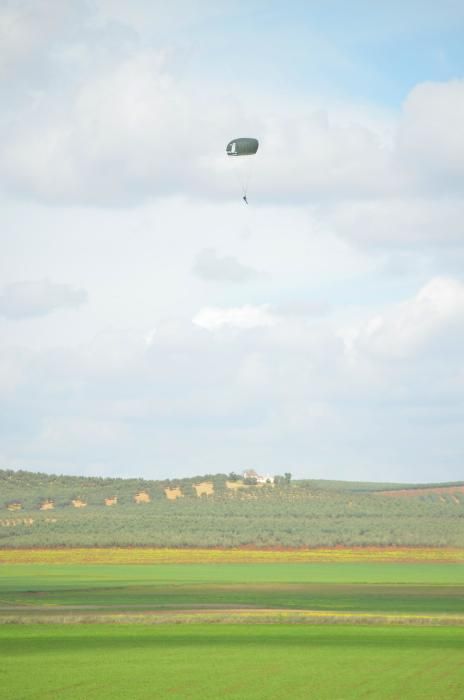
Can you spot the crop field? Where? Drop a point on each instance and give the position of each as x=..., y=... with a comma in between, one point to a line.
x=244, y=555
x=107, y=662
x=270, y=588
x=341, y=585
x=328, y=624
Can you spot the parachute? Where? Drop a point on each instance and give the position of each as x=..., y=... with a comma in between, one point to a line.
x=237, y=149
x=242, y=147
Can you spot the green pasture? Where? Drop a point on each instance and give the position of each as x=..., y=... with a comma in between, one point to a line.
x=354, y=588
x=241, y=662
x=39, y=576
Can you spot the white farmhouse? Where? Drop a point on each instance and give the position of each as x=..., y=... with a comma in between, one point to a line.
x=260, y=478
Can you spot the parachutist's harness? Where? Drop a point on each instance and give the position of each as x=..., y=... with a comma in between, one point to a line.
x=245, y=199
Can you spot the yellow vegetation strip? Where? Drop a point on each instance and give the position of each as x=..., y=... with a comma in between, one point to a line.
x=238, y=616
x=139, y=555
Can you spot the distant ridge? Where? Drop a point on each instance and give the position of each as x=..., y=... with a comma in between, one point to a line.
x=38, y=509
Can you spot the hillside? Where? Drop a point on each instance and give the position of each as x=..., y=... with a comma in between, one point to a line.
x=217, y=510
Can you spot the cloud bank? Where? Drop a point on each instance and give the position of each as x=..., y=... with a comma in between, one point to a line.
x=209, y=266
x=38, y=298
x=282, y=389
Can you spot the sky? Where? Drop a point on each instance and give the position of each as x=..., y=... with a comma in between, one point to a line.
x=152, y=324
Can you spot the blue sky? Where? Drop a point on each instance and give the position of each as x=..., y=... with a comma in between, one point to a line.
x=353, y=50
x=153, y=324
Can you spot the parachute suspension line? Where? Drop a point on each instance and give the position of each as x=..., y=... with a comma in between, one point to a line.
x=245, y=186
x=237, y=168
x=248, y=173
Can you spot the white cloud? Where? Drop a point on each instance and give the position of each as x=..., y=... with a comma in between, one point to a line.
x=114, y=142
x=38, y=298
x=27, y=26
x=398, y=221
x=133, y=132
x=431, y=136
x=273, y=390
x=405, y=330
x=243, y=317
x=212, y=267
x=12, y=365
x=140, y=15
x=301, y=308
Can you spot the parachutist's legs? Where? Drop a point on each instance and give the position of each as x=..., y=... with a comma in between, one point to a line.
x=245, y=199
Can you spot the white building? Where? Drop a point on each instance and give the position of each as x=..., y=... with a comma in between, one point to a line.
x=260, y=478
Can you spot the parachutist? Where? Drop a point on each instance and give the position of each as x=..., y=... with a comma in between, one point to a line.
x=242, y=149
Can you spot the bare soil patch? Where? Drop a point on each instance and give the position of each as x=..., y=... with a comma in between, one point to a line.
x=142, y=497
x=204, y=488
x=411, y=493
x=173, y=494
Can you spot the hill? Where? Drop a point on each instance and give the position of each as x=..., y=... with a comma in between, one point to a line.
x=42, y=510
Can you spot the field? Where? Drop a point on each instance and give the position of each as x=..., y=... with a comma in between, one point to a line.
x=243, y=555
x=327, y=624
x=231, y=661
x=423, y=585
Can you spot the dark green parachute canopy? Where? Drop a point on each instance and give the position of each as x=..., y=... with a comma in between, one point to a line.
x=242, y=147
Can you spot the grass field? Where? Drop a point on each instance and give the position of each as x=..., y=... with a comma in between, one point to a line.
x=355, y=654
x=239, y=662
x=422, y=589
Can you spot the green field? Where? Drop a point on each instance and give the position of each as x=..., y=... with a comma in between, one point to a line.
x=353, y=655
x=422, y=589
x=72, y=662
